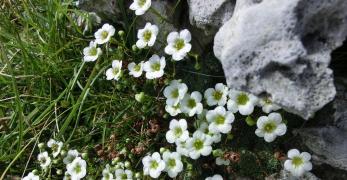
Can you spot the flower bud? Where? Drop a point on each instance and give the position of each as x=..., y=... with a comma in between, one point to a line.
x=35, y=171
x=217, y=152
x=41, y=145
x=63, y=153
x=138, y=175
x=59, y=172
x=134, y=48
x=121, y=33
x=84, y=155
x=127, y=164
x=140, y=97
x=162, y=150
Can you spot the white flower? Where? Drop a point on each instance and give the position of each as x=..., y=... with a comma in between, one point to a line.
x=173, y=110
x=221, y=161
x=92, y=52
x=153, y=165
x=267, y=105
x=135, y=69
x=55, y=146
x=71, y=155
x=242, y=102
x=77, y=168
x=31, y=176
x=106, y=173
x=154, y=67
x=104, y=34
x=44, y=159
x=140, y=6
x=182, y=149
x=270, y=127
x=215, y=177
x=147, y=36
x=173, y=163
x=199, y=145
x=175, y=92
x=220, y=120
x=115, y=71
x=178, y=44
x=178, y=131
x=217, y=95
x=124, y=174
x=215, y=137
x=298, y=163
x=191, y=104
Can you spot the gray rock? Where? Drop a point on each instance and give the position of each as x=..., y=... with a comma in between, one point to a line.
x=210, y=15
x=282, y=48
x=285, y=175
x=329, y=142
x=106, y=9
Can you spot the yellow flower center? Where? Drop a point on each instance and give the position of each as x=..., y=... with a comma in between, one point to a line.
x=93, y=51
x=179, y=44
x=217, y=95
x=242, y=99
x=147, y=35
x=104, y=34
x=198, y=144
x=191, y=103
x=77, y=168
x=269, y=127
x=155, y=66
x=154, y=164
x=141, y=2
x=297, y=161
x=175, y=93
x=220, y=119
x=171, y=163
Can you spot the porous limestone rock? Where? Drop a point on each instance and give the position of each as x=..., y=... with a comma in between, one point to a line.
x=285, y=175
x=210, y=15
x=282, y=48
x=328, y=142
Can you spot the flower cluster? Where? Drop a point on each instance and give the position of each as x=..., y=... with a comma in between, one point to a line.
x=212, y=123
x=76, y=167
x=119, y=170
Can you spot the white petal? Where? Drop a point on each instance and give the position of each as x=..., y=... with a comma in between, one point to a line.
x=170, y=137
x=308, y=166
x=306, y=156
x=185, y=34
x=288, y=165
x=141, y=44
x=292, y=153
x=171, y=38
x=246, y=109
x=269, y=137
x=232, y=106
x=275, y=117
x=206, y=150
x=259, y=133
x=281, y=129
x=183, y=124
x=261, y=121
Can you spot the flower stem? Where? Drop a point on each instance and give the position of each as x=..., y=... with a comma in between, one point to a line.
x=79, y=100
